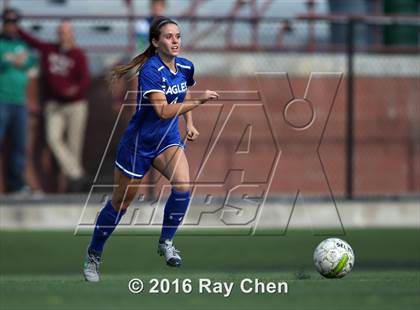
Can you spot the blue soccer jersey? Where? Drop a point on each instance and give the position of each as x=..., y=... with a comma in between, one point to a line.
x=147, y=135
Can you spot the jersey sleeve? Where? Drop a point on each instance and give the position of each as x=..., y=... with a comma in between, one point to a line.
x=151, y=81
x=190, y=80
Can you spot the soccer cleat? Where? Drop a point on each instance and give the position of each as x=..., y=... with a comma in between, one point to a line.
x=91, y=267
x=170, y=252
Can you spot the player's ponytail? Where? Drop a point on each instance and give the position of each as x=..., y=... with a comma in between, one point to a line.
x=138, y=61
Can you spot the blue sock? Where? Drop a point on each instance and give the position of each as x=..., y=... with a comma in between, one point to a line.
x=107, y=220
x=175, y=209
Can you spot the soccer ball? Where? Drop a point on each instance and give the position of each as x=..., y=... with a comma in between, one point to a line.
x=333, y=258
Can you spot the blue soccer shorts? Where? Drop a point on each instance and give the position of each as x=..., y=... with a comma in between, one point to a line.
x=135, y=164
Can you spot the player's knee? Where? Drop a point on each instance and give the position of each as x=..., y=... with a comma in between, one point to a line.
x=182, y=187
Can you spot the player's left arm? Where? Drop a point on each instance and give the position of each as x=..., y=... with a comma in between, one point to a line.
x=192, y=132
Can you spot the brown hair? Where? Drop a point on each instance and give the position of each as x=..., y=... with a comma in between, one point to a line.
x=138, y=61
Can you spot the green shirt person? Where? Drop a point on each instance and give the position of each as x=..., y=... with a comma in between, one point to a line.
x=15, y=61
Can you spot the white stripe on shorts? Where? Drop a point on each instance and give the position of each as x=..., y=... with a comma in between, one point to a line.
x=168, y=146
x=128, y=172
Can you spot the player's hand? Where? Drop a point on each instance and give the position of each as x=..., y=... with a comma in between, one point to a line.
x=209, y=95
x=192, y=133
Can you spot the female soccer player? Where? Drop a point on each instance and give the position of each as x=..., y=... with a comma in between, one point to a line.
x=153, y=139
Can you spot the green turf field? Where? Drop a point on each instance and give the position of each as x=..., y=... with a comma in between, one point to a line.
x=41, y=270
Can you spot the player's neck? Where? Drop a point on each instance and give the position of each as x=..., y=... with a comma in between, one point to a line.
x=169, y=61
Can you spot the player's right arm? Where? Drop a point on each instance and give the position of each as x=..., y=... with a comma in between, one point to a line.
x=167, y=111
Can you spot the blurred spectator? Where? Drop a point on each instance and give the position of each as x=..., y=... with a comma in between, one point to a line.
x=157, y=8
x=363, y=34
x=15, y=61
x=119, y=88
x=397, y=34
x=65, y=80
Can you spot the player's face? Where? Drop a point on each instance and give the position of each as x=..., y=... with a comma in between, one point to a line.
x=170, y=40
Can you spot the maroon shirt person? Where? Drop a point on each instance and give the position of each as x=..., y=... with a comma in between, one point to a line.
x=63, y=64
x=65, y=80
